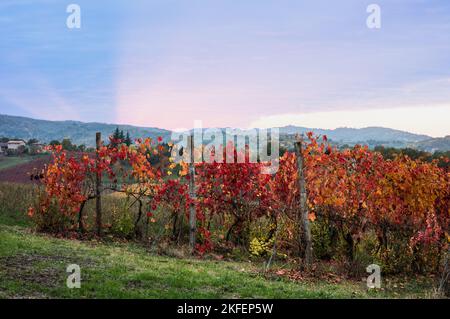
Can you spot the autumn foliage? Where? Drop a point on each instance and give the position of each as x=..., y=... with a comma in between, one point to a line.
x=356, y=194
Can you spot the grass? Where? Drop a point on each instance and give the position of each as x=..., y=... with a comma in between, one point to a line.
x=34, y=266
x=11, y=161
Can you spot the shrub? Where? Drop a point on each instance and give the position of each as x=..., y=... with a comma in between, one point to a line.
x=122, y=220
x=52, y=221
x=325, y=239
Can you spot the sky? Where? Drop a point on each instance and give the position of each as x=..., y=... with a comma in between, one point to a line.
x=250, y=63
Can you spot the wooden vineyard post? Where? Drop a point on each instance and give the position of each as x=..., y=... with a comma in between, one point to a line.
x=303, y=221
x=192, y=195
x=444, y=283
x=98, y=182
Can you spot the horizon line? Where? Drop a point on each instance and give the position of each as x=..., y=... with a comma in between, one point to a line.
x=224, y=127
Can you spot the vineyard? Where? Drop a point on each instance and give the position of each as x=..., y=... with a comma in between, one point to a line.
x=350, y=207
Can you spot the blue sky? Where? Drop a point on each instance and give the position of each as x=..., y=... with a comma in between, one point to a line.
x=244, y=63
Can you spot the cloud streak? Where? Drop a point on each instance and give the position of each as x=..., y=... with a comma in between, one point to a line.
x=226, y=63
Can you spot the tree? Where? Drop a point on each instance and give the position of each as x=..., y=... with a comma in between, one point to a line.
x=116, y=134
x=128, y=141
x=67, y=145
x=116, y=139
x=32, y=141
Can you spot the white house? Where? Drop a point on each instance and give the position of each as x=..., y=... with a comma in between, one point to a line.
x=15, y=144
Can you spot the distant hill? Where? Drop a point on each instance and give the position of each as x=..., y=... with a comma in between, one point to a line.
x=353, y=135
x=79, y=132
x=434, y=144
x=84, y=133
x=371, y=136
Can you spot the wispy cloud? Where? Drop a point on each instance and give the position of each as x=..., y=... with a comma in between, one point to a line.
x=40, y=100
x=227, y=63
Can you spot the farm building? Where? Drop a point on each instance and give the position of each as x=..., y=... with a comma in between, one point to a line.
x=15, y=144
